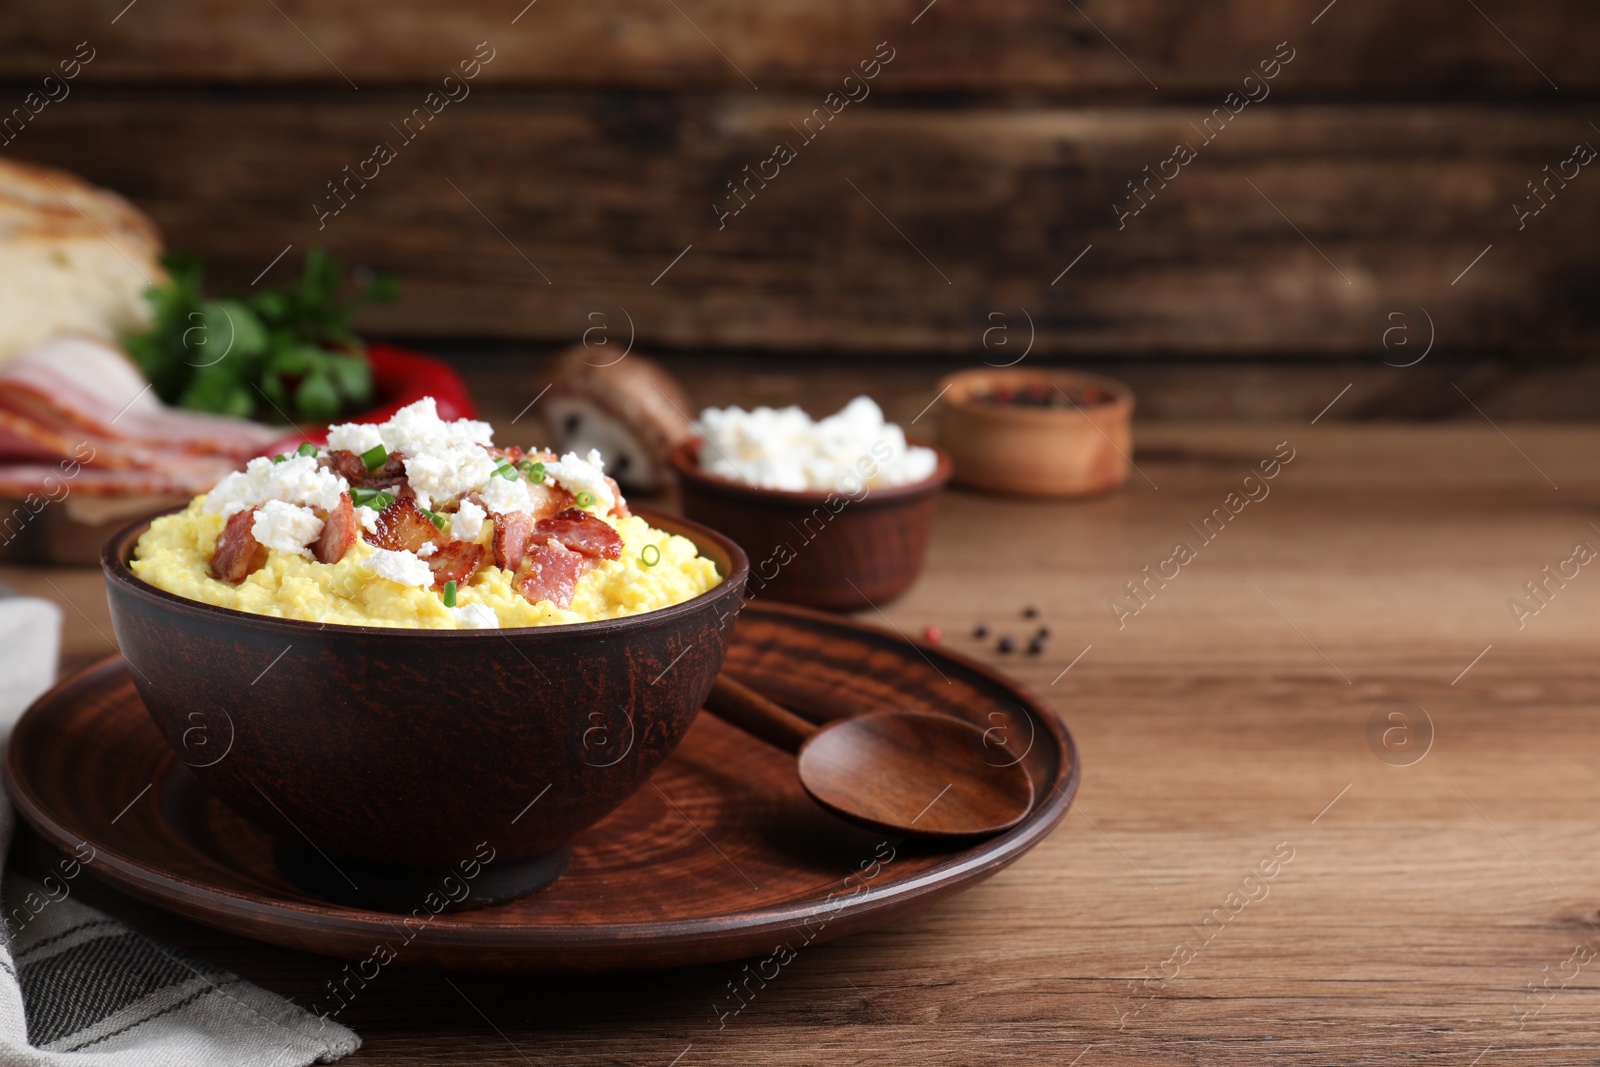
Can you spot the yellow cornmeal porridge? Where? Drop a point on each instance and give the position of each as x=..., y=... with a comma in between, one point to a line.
x=175, y=553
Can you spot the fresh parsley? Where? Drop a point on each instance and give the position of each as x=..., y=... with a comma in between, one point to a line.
x=271, y=355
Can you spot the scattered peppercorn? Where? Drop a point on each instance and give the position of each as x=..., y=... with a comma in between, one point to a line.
x=1007, y=644
x=932, y=634
x=1035, y=647
x=1030, y=612
x=1044, y=631
x=981, y=632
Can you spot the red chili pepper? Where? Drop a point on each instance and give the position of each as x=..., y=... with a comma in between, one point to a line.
x=402, y=377
x=399, y=377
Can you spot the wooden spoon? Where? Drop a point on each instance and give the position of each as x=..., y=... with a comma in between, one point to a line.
x=907, y=772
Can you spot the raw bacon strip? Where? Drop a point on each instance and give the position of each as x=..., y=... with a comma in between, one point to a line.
x=582, y=532
x=353, y=469
x=23, y=438
x=402, y=527
x=338, y=532
x=551, y=572
x=238, y=554
x=17, y=480
x=78, y=384
x=456, y=562
x=512, y=533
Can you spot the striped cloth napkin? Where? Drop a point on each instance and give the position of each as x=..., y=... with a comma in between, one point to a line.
x=79, y=989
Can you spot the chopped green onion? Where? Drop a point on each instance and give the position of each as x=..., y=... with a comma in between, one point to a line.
x=438, y=519
x=279, y=458
x=376, y=499
x=645, y=555
x=586, y=499
x=506, y=471
x=375, y=456
x=534, y=471
x=449, y=594
x=306, y=449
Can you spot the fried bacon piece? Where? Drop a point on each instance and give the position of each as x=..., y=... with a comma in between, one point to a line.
x=550, y=572
x=549, y=499
x=556, y=552
x=402, y=527
x=620, y=508
x=456, y=562
x=238, y=554
x=580, y=531
x=353, y=469
x=512, y=533
x=339, y=531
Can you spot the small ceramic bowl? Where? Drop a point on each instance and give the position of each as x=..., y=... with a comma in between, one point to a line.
x=822, y=549
x=382, y=758
x=1034, y=449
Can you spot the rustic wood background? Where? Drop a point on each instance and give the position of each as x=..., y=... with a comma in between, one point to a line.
x=1387, y=157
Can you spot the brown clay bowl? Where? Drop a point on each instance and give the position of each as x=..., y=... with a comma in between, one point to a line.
x=382, y=758
x=1037, y=451
x=821, y=549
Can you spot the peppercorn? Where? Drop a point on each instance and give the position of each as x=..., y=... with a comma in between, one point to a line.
x=1007, y=644
x=981, y=632
x=1030, y=612
x=932, y=634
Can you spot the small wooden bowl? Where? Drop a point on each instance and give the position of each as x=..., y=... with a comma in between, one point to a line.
x=399, y=753
x=1037, y=451
x=822, y=549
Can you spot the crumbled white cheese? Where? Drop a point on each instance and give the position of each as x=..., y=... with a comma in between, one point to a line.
x=467, y=524
x=785, y=449
x=445, y=460
x=442, y=459
x=296, y=480
x=579, y=475
x=402, y=567
x=367, y=517
x=505, y=495
x=357, y=437
x=427, y=550
x=286, y=527
x=475, y=617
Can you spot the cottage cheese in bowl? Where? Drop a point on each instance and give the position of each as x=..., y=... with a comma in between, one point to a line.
x=786, y=449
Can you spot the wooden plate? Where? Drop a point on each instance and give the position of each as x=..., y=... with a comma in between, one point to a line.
x=721, y=856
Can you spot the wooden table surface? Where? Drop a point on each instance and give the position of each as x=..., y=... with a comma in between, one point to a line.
x=1412, y=911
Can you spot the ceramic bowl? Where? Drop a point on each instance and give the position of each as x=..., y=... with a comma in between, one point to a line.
x=1037, y=451
x=822, y=549
x=385, y=755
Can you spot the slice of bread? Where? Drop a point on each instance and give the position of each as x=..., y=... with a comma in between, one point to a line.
x=74, y=258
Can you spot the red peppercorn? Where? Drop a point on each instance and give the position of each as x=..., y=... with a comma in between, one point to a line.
x=932, y=634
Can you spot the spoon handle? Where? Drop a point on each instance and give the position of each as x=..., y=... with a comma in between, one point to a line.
x=755, y=714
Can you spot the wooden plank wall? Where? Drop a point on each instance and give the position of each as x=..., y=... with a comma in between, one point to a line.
x=1384, y=166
